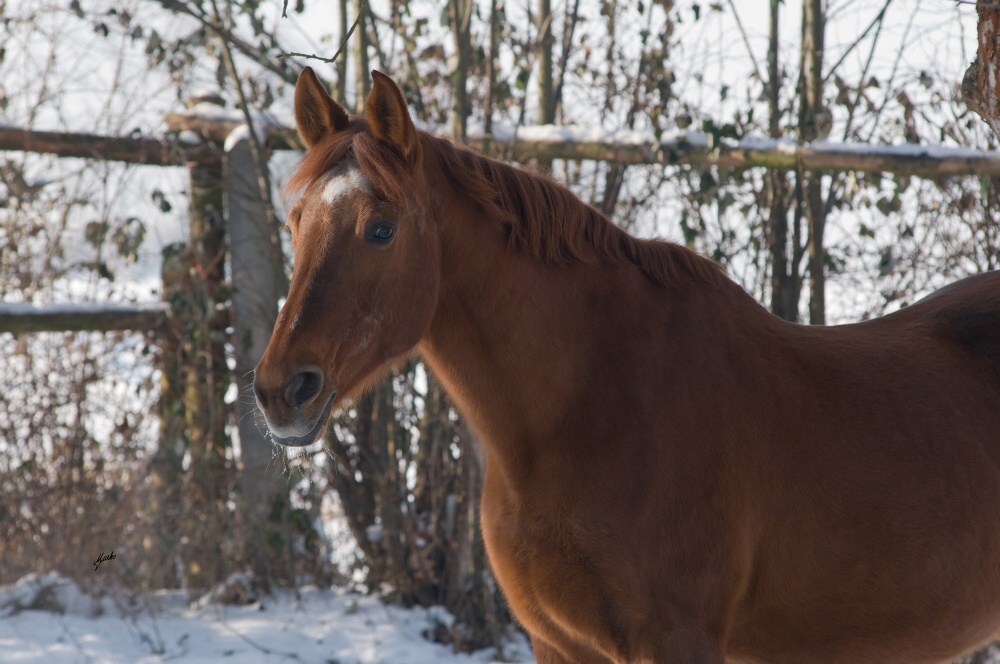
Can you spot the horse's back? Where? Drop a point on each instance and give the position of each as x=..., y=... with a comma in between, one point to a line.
x=967, y=313
x=885, y=483
x=965, y=316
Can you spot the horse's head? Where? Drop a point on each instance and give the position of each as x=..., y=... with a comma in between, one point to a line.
x=367, y=260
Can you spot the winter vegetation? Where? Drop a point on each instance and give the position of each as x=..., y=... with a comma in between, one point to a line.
x=838, y=158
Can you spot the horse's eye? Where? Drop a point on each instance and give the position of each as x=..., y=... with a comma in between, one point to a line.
x=380, y=232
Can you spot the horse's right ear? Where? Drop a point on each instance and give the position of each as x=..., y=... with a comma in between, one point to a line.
x=317, y=115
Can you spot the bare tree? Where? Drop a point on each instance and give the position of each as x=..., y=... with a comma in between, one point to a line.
x=981, y=84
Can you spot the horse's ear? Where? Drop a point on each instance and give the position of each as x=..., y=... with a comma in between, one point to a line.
x=316, y=113
x=388, y=116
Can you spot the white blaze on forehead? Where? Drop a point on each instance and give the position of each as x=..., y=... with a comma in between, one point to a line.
x=343, y=183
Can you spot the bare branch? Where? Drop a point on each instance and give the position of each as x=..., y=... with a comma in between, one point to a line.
x=875, y=21
x=256, y=149
x=746, y=42
x=244, y=47
x=343, y=44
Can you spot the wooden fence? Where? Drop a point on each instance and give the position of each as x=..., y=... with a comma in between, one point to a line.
x=201, y=312
x=230, y=225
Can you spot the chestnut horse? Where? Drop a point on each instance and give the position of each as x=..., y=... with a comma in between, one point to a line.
x=673, y=473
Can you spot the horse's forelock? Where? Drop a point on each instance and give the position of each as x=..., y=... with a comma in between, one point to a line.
x=389, y=174
x=383, y=168
x=320, y=160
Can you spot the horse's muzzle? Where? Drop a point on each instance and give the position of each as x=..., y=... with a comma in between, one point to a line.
x=288, y=438
x=292, y=410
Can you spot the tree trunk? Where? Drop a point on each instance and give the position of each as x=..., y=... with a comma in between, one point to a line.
x=785, y=285
x=491, y=76
x=206, y=378
x=460, y=18
x=546, y=100
x=569, y=28
x=341, y=66
x=258, y=281
x=981, y=84
x=354, y=478
x=811, y=121
x=362, y=77
x=424, y=542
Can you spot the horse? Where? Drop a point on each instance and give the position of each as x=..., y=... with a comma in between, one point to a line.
x=673, y=474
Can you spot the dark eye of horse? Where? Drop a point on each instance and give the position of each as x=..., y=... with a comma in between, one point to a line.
x=380, y=232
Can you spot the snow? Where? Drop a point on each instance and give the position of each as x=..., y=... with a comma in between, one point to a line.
x=907, y=150
x=585, y=135
x=618, y=137
x=47, y=591
x=321, y=626
x=46, y=619
x=190, y=137
x=578, y=134
x=206, y=110
x=242, y=133
x=765, y=144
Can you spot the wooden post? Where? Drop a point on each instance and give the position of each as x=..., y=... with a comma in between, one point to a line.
x=200, y=321
x=206, y=376
x=258, y=281
x=164, y=513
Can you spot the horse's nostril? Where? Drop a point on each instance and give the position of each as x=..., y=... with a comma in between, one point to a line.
x=304, y=387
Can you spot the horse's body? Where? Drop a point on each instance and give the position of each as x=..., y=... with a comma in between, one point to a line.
x=673, y=474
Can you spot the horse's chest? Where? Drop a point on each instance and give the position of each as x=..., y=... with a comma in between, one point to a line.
x=556, y=585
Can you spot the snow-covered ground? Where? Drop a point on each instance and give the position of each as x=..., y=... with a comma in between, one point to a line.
x=320, y=626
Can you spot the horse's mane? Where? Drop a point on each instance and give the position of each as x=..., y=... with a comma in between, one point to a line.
x=546, y=220
x=542, y=218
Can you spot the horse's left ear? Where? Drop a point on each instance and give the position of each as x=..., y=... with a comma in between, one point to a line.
x=389, y=118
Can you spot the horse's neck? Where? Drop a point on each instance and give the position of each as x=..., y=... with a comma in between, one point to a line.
x=526, y=348
x=505, y=340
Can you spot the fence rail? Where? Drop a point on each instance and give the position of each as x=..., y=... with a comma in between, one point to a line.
x=547, y=142
x=129, y=149
x=17, y=317
x=705, y=150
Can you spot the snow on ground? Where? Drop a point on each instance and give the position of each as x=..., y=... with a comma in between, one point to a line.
x=321, y=627
x=46, y=619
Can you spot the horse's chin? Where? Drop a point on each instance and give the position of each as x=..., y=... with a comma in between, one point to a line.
x=317, y=429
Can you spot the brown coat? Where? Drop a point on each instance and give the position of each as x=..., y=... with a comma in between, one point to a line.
x=674, y=474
